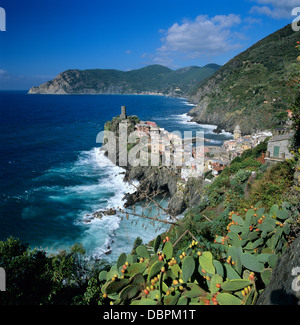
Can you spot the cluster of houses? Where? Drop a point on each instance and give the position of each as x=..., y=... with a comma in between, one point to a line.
x=236, y=146
x=216, y=158
x=160, y=140
x=277, y=150
x=171, y=148
x=278, y=143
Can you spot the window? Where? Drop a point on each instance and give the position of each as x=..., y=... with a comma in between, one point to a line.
x=276, y=151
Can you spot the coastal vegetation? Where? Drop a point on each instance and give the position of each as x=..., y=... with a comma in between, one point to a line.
x=34, y=277
x=152, y=79
x=235, y=273
x=252, y=89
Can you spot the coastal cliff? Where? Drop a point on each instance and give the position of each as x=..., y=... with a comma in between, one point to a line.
x=152, y=79
x=154, y=180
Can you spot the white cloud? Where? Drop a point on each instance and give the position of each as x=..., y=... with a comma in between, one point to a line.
x=252, y=21
x=164, y=59
x=275, y=8
x=199, y=37
x=2, y=72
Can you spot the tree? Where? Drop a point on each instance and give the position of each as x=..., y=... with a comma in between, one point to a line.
x=26, y=276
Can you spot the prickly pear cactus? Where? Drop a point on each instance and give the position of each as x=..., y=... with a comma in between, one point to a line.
x=155, y=277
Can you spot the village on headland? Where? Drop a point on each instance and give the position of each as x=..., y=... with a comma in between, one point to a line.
x=185, y=158
x=195, y=157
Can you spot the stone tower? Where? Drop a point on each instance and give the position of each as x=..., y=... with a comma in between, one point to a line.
x=237, y=133
x=123, y=115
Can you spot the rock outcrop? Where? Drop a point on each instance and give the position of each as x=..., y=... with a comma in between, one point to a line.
x=163, y=180
x=99, y=214
x=61, y=85
x=153, y=181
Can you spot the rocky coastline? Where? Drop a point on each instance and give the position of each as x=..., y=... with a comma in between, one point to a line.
x=99, y=214
x=155, y=180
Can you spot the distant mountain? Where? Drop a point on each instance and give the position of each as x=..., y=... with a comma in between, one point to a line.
x=251, y=89
x=150, y=79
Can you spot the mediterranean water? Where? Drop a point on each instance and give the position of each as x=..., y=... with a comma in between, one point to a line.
x=52, y=175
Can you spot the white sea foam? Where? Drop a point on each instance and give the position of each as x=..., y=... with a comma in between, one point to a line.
x=187, y=103
x=208, y=128
x=77, y=190
x=183, y=119
x=116, y=233
x=99, y=233
x=211, y=142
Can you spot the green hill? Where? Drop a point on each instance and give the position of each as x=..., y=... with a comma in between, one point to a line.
x=150, y=79
x=251, y=89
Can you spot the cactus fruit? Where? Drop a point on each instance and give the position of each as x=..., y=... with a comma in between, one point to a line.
x=246, y=258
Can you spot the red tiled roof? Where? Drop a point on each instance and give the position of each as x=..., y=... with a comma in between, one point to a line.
x=151, y=123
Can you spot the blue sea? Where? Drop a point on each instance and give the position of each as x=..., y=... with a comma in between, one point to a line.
x=52, y=175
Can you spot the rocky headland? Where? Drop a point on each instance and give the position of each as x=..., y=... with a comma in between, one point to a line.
x=153, y=79
x=154, y=180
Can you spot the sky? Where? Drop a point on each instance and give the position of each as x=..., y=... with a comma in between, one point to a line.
x=43, y=38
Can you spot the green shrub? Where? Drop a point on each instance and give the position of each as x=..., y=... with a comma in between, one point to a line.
x=34, y=278
x=270, y=188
